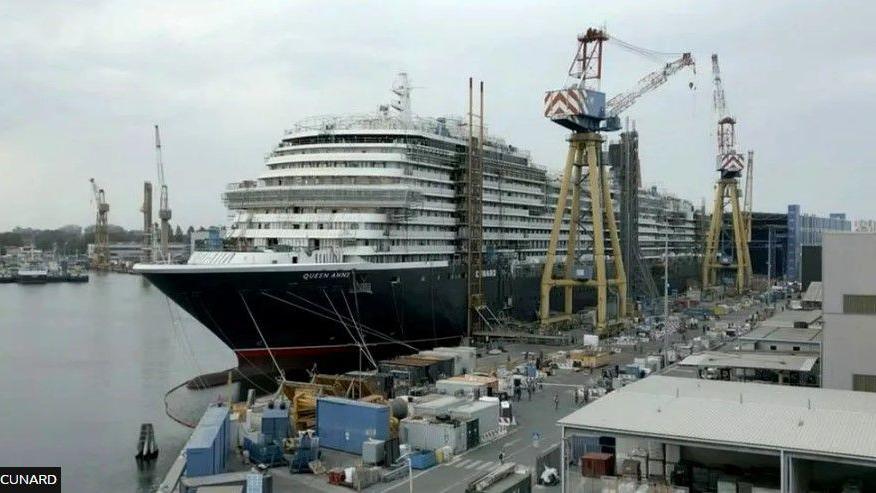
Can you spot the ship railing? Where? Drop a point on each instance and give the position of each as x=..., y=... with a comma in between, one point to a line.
x=279, y=197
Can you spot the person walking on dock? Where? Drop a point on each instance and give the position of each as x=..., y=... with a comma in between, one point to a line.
x=556, y=401
x=501, y=457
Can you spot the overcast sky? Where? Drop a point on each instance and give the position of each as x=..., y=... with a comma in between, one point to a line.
x=82, y=83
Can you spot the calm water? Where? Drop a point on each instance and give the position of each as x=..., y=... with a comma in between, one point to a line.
x=82, y=365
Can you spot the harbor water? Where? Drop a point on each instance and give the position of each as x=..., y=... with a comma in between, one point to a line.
x=83, y=365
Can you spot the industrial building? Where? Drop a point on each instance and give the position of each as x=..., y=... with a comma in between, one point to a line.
x=724, y=436
x=782, y=339
x=130, y=252
x=849, y=286
x=807, y=229
x=780, y=242
x=748, y=366
x=769, y=244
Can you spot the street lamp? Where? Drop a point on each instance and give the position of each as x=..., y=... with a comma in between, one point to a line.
x=407, y=457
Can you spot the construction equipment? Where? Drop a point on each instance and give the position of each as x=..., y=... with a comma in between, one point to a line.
x=147, y=252
x=730, y=165
x=473, y=228
x=747, y=212
x=100, y=258
x=164, y=213
x=583, y=109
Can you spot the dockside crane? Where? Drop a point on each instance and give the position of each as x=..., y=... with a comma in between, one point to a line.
x=100, y=258
x=582, y=108
x=730, y=165
x=164, y=213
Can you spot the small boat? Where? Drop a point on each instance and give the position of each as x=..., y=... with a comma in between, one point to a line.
x=33, y=273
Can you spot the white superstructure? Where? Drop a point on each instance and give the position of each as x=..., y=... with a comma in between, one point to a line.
x=388, y=187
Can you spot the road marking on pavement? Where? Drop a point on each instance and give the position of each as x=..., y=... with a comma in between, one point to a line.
x=474, y=464
x=486, y=465
x=461, y=463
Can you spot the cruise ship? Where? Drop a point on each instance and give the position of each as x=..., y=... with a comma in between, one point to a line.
x=349, y=243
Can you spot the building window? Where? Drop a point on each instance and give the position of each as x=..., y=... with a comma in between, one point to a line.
x=796, y=348
x=864, y=383
x=772, y=348
x=861, y=304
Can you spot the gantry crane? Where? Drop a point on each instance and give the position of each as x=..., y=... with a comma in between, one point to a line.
x=730, y=165
x=164, y=213
x=580, y=107
x=100, y=259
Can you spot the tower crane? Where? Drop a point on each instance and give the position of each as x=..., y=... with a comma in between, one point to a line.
x=164, y=213
x=100, y=260
x=582, y=108
x=730, y=165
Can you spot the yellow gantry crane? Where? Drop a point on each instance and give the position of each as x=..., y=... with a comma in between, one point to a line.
x=100, y=257
x=582, y=108
x=730, y=165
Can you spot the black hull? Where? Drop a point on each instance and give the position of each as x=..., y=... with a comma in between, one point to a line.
x=313, y=318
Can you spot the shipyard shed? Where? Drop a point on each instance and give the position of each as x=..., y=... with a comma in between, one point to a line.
x=782, y=339
x=486, y=412
x=469, y=385
x=710, y=435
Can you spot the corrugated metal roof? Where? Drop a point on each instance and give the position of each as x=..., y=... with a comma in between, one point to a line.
x=783, y=334
x=744, y=359
x=816, y=421
x=786, y=318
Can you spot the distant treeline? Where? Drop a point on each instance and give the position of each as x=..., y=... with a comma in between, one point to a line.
x=75, y=239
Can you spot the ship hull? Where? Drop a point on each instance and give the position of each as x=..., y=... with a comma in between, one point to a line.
x=320, y=318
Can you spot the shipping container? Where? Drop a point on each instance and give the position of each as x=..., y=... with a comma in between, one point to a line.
x=467, y=354
x=380, y=382
x=597, y=464
x=486, y=412
x=415, y=370
x=343, y=424
x=435, y=407
x=209, y=443
x=469, y=385
x=447, y=367
x=423, y=434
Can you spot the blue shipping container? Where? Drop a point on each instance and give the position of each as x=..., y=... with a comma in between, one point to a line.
x=201, y=454
x=343, y=424
x=206, y=448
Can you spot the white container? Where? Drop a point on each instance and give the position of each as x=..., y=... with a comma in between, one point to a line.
x=487, y=414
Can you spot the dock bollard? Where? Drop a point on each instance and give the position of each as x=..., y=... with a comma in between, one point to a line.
x=147, y=448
